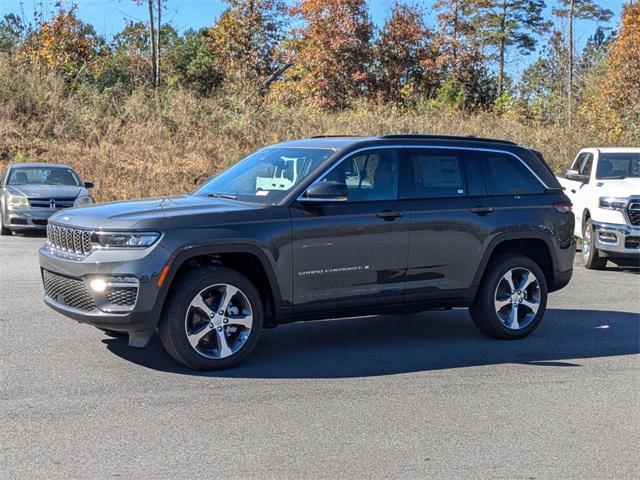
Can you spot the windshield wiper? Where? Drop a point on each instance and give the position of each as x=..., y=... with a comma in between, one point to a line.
x=615, y=177
x=221, y=195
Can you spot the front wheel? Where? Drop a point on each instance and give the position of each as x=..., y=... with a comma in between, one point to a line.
x=512, y=298
x=213, y=319
x=3, y=230
x=590, y=254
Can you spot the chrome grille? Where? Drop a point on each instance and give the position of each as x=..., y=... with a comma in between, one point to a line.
x=55, y=202
x=68, y=291
x=633, y=211
x=69, y=240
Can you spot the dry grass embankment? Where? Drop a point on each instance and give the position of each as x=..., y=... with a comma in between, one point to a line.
x=136, y=146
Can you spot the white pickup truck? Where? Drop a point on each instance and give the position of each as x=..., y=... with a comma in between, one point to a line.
x=604, y=187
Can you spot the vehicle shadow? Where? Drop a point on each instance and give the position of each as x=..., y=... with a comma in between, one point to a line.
x=387, y=345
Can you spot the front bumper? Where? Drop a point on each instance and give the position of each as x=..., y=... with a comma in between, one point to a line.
x=28, y=218
x=617, y=239
x=129, y=302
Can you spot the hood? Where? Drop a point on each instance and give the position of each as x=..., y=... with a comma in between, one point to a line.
x=152, y=213
x=46, y=191
x=624, y=187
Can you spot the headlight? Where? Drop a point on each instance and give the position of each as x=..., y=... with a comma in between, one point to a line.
x=613, y=203
x=126, y=240
x=83, y=200
x=17, y=201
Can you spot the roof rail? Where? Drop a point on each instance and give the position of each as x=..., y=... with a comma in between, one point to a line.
x=469, y=138
x=334, y=136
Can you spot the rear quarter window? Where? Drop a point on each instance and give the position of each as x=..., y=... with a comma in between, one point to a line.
x=506, y=175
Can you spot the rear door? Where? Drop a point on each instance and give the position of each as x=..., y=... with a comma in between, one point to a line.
x=353, y=253
x=453, y=222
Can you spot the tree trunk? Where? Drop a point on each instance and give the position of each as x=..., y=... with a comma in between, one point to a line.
x=503, y=46
x=570, y=86
x=159, y=25
x=152, y=35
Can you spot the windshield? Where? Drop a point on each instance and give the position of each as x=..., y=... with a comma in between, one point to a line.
x=267, y=175
x=618, y=165
x=43, y=176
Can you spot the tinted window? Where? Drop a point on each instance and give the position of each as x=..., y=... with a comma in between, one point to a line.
x=369, y=176
x=436, y=173
x=618, y=165
x=506, y=175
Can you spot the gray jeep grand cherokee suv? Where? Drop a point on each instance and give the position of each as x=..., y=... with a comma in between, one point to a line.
x=320, y=228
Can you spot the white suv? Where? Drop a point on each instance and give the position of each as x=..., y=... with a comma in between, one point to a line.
x=604, y=186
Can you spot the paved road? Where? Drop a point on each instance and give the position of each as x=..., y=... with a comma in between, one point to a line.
x=416, y=396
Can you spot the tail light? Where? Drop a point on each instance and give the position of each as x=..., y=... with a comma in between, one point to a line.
x=563, y=207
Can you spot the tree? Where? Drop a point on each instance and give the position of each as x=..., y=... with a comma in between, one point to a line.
x=192, y=63
x=405, y=56
x=246, y=37
x=543, y=84
x=155, y=25
x=511, y=23
x=611, y=102
x=460, y=56
x=12, y=32
x=578, y=10
x=333, y=52
x=63, y=44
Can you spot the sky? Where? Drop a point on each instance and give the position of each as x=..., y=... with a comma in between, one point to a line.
x=109, y=16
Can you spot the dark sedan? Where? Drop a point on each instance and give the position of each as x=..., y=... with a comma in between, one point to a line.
x=32, y=192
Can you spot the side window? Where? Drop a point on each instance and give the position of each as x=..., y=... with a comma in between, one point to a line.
x=586, y=164
x=506, y=175
x=436, y=174
x=578, y=162
x=370, y=175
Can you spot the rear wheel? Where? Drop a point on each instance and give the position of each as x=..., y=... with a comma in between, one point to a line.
x=590, y=254
x=213, y=319
x=512, y=298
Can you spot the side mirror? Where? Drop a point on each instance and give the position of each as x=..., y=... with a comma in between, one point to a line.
x=325, y=192
x=88, y=184
x=575, y=175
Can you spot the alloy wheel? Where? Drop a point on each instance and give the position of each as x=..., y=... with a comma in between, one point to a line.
x=218, y=321
x=517, y=298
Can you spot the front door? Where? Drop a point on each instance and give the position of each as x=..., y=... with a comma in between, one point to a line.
x=356, y=251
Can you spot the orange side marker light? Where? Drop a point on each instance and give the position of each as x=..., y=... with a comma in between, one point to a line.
x=163, y=275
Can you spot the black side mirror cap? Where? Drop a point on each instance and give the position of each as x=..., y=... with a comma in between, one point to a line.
x=88, y=184
x=326, y=192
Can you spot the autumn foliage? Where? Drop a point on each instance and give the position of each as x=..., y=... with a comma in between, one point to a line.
x=612, y=97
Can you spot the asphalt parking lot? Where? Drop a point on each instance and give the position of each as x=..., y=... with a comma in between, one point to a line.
x=411, y=396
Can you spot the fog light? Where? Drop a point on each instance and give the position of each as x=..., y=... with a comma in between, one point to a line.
x=98, y=285
x=608, y=237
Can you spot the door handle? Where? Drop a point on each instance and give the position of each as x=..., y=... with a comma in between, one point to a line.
x=389, y=215
x=480, y=210
x=573, y=190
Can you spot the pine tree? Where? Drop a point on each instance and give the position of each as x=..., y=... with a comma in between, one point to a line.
x=511, y=23
x=578, y=10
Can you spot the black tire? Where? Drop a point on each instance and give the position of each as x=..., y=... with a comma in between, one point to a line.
x=113, y=333
x=483, y=311
x=590, y=254
x=3, y=230
x=173, y=334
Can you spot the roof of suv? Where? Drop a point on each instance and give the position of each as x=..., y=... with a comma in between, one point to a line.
x=341, y=142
